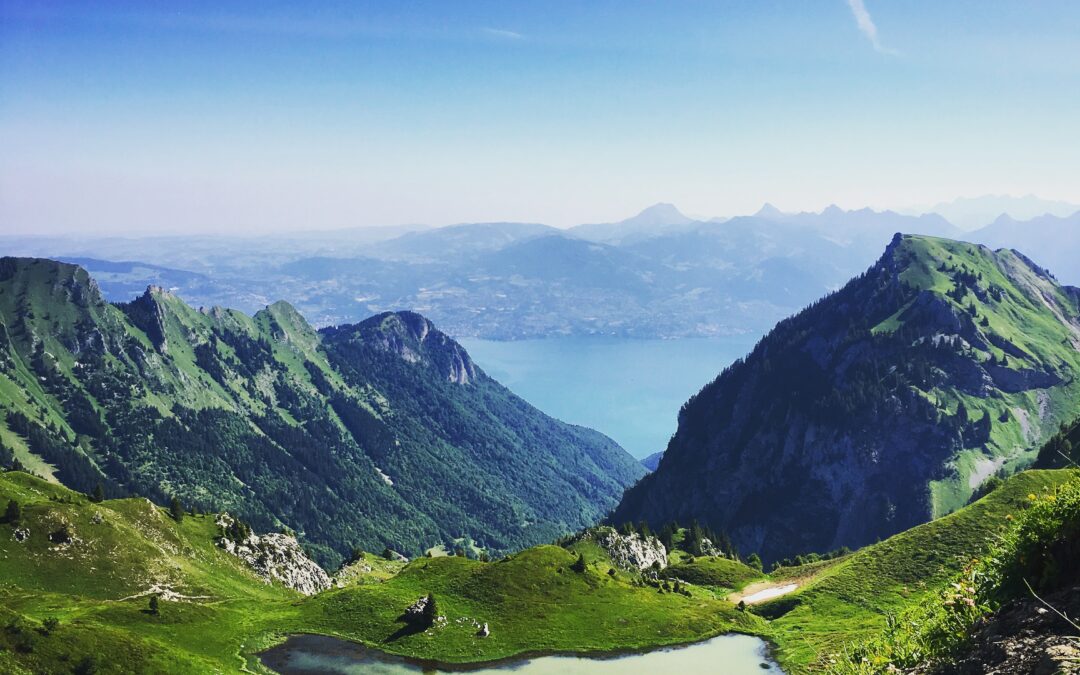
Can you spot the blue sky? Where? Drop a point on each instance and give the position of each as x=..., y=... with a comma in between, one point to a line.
x=208, y=117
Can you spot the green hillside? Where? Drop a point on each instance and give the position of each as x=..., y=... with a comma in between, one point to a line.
x=382, y=434
x=882, y=406
x=97, y=586
x=853, y=600
x=214, y=615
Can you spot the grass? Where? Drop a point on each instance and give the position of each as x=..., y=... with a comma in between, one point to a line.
x=720, y=573
x=852, y=600
x=532, y=601
x=1039, y=551
x=96, y=587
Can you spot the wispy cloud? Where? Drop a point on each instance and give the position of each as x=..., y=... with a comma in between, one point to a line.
x=503, y=33
x=867, y=27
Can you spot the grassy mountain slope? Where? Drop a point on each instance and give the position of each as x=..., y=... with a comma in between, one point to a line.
x=215, y=615
x=881, y=406
x=97, y=586
x=853, y=600
x=379, y=434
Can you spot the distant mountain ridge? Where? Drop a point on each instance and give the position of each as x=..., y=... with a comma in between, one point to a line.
x=877, y=408
x=381, y=433
x=659, y=274
x=972, y=213
x=650, y=222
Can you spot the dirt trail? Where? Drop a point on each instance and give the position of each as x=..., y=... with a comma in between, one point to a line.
x=764, y=591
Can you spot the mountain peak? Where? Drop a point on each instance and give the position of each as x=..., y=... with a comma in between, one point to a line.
x=767, y=210
x=661, y=213
x=890, y=365
x=416, y=340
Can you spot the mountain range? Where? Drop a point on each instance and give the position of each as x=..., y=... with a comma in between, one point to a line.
x=659, y=274
x=883, y=405
x=378, y=434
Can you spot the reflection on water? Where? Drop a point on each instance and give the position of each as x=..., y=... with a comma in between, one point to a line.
x=724, y=655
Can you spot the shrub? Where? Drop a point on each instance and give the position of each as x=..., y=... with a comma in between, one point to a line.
x=49, y=625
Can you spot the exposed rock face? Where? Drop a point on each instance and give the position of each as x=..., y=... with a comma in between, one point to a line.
x=709, y=549
x=631, y=552
x=1022, y=637
x=277, y=557
x=393, y=555
x=414, y=613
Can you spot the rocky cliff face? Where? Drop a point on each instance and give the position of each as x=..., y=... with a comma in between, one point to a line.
x=631, y=552
x=877, y=408
x=414, y=339
x=276, y=557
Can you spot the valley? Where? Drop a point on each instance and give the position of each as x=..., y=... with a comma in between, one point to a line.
x=195, y=408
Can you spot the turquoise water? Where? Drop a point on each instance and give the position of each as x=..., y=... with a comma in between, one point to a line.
x=724, y=655
x=630, y=390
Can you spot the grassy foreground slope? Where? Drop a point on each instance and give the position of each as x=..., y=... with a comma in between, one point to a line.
x=852, y=600
x=215, y=614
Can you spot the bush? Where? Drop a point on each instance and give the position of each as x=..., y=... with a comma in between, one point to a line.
x=579, y=564
x=50, y=625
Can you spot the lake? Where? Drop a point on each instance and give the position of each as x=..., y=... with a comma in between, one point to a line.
x=629, y=389
x=726, y=655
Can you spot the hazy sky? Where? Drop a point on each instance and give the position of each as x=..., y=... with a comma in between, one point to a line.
x=246, y=116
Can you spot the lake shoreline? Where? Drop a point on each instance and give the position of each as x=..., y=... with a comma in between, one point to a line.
x=279, y=653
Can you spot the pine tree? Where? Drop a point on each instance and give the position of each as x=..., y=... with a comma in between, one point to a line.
x=13, y=513
x=667, y=536
x=155, y=607
x=961, y=414
x=99, y=494
x=176, y=510
x=694, y=539
x=579, y=564
x=755, y=561
x=431, y=610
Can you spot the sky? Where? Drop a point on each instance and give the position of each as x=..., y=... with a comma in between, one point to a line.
x=248, y=117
